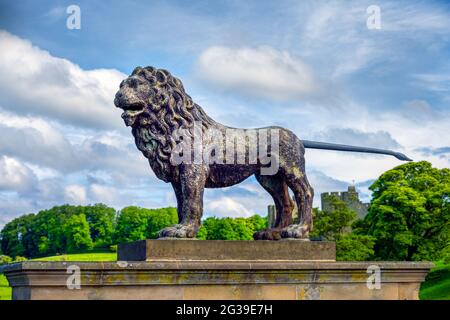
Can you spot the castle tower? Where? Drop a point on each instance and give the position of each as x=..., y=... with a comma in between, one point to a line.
x=350, y=197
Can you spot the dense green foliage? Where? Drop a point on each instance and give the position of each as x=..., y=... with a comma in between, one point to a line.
x=231, y=229
x=136, y=223
x=69, y=229
x=354, y=247
x=332, y=224
x=335, y=225
x=409, y=215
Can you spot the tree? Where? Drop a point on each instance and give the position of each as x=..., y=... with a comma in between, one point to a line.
x=331, y=224
x=231, y=229
x=77, y=234
x=101, y=219
x=336, y=225
x=132, y=224
x=354, y=247
x=159, y=219
x=257, y=222
x=48, y=231
x=16, y=236
x=409, y=214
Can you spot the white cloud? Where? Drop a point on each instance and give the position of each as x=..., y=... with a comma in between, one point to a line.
x=75, y=194
x=15, y=175
x=334, y=34
x=227, y=207
x=104, y=194
x=35, y=82
x=262, y=72
x=37, y=141
x=47, y=148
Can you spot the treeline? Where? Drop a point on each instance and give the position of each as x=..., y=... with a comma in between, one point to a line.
x=70, y=229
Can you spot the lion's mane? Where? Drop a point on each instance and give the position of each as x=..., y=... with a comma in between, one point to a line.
x=168, y=108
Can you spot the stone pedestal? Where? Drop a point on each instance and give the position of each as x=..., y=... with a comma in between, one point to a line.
x=162, y=274
x=210, y=250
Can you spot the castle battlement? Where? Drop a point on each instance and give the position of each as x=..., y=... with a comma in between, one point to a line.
x=333, y=193
x=350, y=197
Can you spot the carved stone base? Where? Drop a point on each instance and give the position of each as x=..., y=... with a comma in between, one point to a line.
x=178, y=274
x=215, y=280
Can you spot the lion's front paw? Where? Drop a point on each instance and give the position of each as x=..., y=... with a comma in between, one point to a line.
x=179, y=231
x=295, y=231
x=268, y=234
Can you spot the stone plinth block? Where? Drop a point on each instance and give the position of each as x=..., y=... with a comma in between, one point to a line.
x=292, y=250
x=216, y=279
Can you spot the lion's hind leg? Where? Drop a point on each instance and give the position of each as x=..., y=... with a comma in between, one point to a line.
x=279, y=191
x=304, y=193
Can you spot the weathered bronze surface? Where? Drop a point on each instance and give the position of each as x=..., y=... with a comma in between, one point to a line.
x=157, y=108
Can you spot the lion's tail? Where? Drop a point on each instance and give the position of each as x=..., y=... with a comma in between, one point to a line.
x=343, y=147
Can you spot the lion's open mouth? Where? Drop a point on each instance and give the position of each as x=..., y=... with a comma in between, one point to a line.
x=130, y=116
x=135, y=106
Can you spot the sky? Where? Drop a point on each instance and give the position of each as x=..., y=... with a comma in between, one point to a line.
x=314, y=67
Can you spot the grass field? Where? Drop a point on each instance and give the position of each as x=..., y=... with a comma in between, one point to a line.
x=436, y=286
x=95, y=256
x=5, y=290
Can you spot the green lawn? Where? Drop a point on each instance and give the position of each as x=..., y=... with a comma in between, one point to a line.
x=95, y=256
x=5, y=290
x=436, y=286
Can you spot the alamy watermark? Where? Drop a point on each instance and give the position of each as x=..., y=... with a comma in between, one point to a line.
x=74, y=280
x=73, y=21
x=373, y=21
x=374, y=280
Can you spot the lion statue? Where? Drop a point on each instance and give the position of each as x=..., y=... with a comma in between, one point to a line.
x=172, y=131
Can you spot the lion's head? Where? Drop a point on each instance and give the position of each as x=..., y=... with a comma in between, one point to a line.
x=155, y=105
